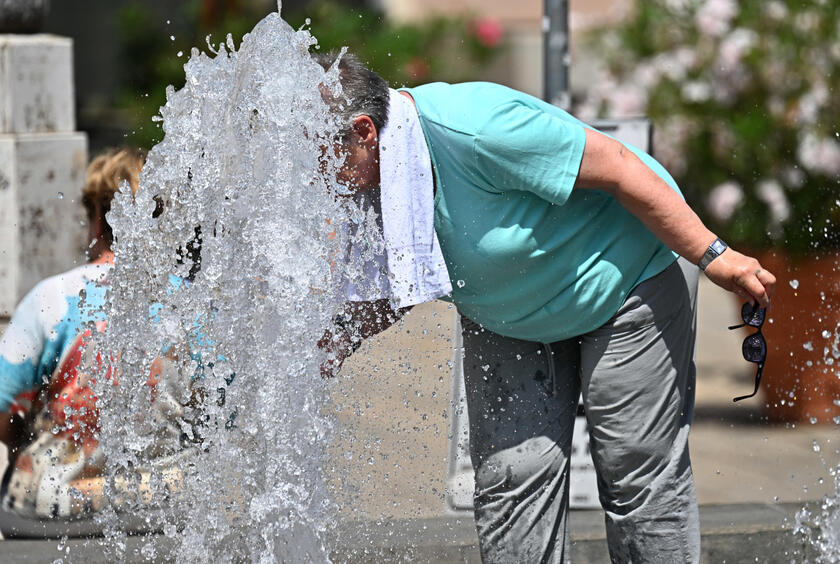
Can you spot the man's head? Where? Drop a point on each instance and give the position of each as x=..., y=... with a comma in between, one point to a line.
x=363, y=115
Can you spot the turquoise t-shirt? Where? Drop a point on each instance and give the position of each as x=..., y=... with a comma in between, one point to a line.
x=528, y=257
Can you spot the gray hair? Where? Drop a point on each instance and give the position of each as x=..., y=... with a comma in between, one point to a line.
x=366, y=92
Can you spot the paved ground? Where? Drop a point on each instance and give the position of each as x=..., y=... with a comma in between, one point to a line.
x=730, y=533
x=393, y=459
x=393, y=402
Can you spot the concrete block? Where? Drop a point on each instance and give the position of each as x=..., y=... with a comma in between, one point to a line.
x=36, y=84
x=41, y=219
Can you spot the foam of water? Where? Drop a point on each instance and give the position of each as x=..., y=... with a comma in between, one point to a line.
x=236, y=472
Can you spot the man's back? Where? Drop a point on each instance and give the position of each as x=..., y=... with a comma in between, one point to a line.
x=522, y=246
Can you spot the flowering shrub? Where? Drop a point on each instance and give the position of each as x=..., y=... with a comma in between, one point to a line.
x=745, y=98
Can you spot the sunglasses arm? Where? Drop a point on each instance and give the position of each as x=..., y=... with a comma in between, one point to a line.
x=731, y=327
x=757, y=382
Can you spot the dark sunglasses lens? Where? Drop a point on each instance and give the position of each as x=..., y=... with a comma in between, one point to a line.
x=752, y=314
x=755, y=348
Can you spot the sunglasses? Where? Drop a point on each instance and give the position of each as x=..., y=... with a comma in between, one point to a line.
x=754, y=346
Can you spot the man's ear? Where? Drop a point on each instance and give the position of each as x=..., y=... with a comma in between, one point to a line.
x=365, y=130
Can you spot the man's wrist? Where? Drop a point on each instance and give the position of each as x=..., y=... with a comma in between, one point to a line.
x=712, y=252
x=352, y=329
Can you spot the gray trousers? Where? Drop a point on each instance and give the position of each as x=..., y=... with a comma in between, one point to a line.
x=637, y=376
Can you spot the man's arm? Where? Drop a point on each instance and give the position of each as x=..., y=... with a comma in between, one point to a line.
x=359, y=321
x=610, y=166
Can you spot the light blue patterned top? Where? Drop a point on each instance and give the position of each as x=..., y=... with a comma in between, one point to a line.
x=45, y=323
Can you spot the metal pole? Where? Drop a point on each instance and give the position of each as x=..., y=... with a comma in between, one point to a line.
x=556, y=53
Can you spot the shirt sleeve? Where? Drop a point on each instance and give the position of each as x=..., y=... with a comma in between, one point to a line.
x=20, y=351
x=523, y=148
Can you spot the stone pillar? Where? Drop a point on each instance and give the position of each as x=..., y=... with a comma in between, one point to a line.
x=42, y=164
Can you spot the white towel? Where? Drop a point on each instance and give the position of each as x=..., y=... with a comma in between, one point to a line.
x=416, y=270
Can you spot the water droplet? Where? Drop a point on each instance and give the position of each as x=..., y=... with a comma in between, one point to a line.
x=813, y=420
x=816, y=446
x=179, y=54
x=826, y=334
x=808, y=346
x=61, y=195
x=172, y=38
x=460, y=283
x=794, y=283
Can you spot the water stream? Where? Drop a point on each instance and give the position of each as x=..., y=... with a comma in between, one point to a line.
x=222, y=445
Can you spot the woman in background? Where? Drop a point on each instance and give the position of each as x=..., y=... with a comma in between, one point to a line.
x=48, y=417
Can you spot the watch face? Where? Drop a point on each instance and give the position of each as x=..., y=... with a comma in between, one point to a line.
x=718, y=246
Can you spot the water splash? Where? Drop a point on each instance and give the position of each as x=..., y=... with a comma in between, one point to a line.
x=819, y=527
x=222, y=445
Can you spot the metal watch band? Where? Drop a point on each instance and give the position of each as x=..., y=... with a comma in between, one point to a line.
x=713, y=252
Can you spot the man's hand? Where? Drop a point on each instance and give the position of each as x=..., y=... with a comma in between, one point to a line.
x=743, y=275
x=338, y=346
x=359, y=321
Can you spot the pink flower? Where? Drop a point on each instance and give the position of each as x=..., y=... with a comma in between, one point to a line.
x=696, y=91
x=628, y=100
x=793, y=177
x=488, y=31
x=819, y=155
x=715, y=16
x=724, y=198
x=771, y=192
x=776, y=9
x=416, y=68
x=735, y=46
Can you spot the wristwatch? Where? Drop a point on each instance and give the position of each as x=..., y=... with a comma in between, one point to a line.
x=713, y=252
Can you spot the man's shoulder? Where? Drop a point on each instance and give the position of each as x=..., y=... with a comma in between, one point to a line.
x=470, y=94
x=465, y=107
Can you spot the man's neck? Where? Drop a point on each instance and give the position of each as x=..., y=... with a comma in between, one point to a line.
x=104, y=257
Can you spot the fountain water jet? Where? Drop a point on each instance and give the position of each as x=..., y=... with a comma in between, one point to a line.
x=226, y=440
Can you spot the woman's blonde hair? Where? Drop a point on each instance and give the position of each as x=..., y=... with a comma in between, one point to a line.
x=104, y=175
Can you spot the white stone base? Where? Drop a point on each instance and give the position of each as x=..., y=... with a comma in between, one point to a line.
x=36, y=84
x=42, y=222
